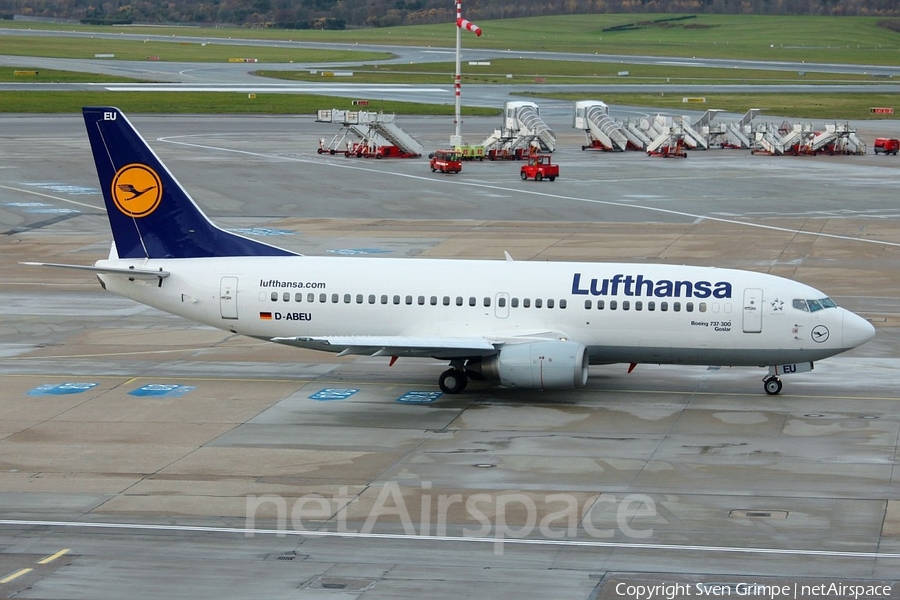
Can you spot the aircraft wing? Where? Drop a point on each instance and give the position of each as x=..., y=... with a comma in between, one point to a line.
x=434, y=347
x=132, y=272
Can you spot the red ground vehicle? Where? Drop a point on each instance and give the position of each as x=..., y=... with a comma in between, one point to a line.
x=446, y=161
x=887, y=146
x=538, y=168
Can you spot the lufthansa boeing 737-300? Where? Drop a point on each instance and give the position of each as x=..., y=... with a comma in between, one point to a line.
x=519, y=324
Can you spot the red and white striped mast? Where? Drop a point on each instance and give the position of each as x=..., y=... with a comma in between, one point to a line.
x=461, y=24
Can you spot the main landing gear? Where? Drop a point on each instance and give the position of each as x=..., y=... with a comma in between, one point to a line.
x=772, y=384
x=453, y=380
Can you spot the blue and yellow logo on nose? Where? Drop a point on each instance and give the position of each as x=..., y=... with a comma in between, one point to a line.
x=136, y=190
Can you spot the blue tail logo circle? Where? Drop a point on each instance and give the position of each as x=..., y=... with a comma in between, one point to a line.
x=136, y=190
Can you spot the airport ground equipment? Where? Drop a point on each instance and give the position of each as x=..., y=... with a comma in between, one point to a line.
x=886, y=146
x=445, y=161
x=602, y=131
x=522, y=129
x=377, y=135
x=539, y=167
x=804, y=139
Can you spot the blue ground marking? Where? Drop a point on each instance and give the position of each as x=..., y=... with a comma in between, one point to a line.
x=418, y=397
x=357, y=251
x=40, y=207
x=60, y=389
x=262, y=231
x=162, y=390
x=333, y=394
x=65, y=188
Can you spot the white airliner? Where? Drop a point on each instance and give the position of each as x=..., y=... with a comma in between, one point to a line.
x=524, y=324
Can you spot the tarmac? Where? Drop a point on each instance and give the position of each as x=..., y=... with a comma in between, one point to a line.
x=144, y=456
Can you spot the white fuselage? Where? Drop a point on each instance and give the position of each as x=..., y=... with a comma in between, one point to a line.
x=636, y=313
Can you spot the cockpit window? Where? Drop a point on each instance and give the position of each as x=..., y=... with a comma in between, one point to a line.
x=814, y=305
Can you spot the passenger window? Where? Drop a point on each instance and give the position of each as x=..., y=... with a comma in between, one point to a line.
x=587, y=304
x=601, y=304
x=550, y=303
x=638, y=305
x=526, y=302
x=651, y=306
x=663, y=306
x=396, y=299
x=459, y=300
x=335, y=298
x=612, y=305
x=626, y=305
x=384, y=299
x=323, y=298
x=346, y=298
x=421, y=300
x=310, y=297
x=702, y=307
x=689, y=307
x=514, y=303
x=274, y=296
x=371, y=298
x=433, y=301
x=446, y=300
x=409, y=300
x=286, y=297
x=563, y=303
x=298, y=297
x=538, y=302
x=676, y=306
x=472, y=301
x=359, y=298
x=501, y=302
x=487, y=300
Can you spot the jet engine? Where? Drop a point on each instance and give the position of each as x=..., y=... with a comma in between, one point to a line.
x=536, y=365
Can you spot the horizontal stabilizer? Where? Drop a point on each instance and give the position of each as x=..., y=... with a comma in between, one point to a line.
x=132, y=272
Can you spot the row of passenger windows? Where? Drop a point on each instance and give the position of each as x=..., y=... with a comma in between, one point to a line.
x=514, y=302
x=650, y=305
x=420, y=300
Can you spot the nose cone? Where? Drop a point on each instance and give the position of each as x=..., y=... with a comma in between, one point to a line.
x=856, y=330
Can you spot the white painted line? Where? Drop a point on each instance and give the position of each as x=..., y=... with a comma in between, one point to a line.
x=450, y=538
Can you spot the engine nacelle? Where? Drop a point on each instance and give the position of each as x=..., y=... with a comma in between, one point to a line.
x=537, y=365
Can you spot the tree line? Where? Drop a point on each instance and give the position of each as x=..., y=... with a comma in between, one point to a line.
x=341, y=14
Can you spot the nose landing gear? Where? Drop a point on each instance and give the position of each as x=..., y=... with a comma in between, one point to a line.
x=772, y=385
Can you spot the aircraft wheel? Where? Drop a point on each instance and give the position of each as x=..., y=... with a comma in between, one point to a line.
x=453, y=381
x=773, y=385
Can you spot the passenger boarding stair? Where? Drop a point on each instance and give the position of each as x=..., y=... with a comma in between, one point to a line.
x=523, y=128
x=375, y=129
x=600, y=129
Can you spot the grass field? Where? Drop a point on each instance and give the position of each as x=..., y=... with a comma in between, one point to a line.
x=520, y=70
x=813, y=39
x=199, y=51
x=210, y=102
x=848, y=40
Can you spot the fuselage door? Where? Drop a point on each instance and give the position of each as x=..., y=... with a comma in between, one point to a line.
x=753, y=307
x=501, y=305
x=228, y=297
